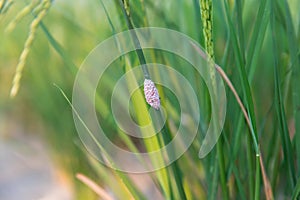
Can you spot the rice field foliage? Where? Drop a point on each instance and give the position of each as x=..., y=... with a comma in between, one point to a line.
x=256, y=44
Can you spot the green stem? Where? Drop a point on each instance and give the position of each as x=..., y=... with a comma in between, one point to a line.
x=250, y=168
x=240, y=28
x=135, y=40
x=257, y=178
x=280, y=110
x=213, y=175
x=222, y=170
x=244, y=81
x=207, y=21
x=295, y=61
x=142, y=60
x=177, y=172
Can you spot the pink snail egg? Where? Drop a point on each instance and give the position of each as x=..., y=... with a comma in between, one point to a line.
x=151, y=94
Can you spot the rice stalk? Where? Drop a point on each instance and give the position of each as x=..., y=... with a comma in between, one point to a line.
x=25, y=11
x=5, y=5
x=164, y=179
x=27, y=46
x=206, y=8
x=94, y=186
x=269, y=194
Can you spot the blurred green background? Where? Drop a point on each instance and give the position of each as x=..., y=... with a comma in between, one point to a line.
x=71, y=29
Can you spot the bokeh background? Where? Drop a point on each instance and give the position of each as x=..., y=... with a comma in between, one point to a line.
x=40, y=151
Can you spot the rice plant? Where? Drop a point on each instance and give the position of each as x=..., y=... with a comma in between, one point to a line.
x=250, y=46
